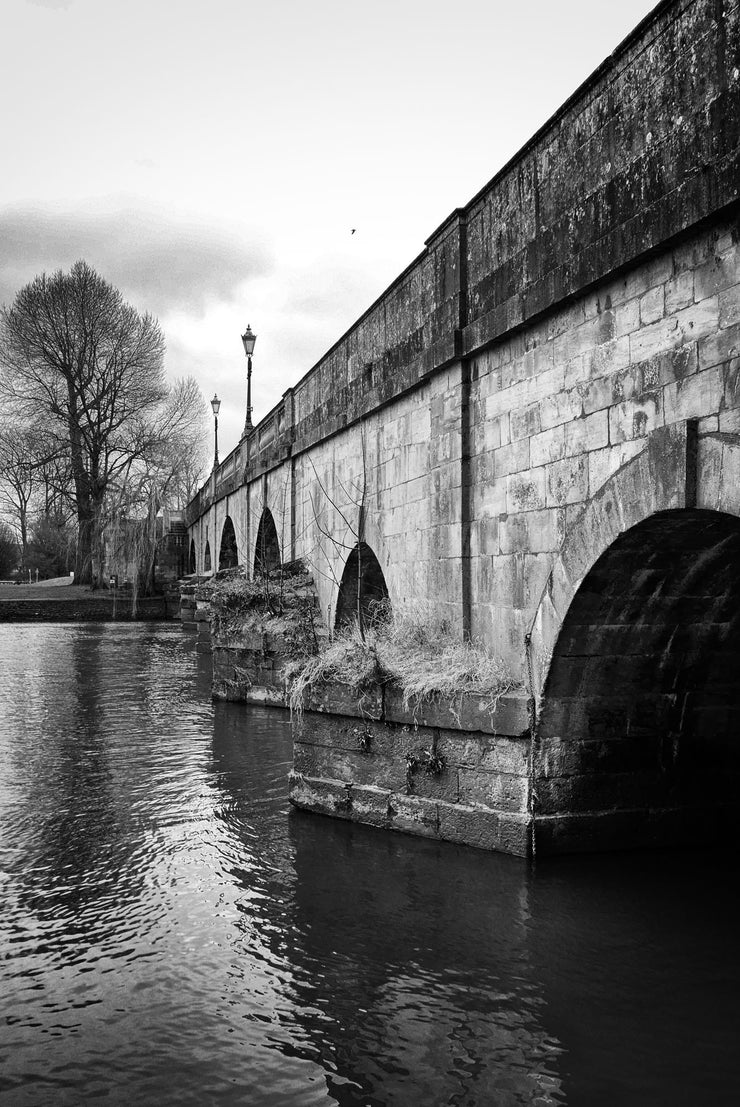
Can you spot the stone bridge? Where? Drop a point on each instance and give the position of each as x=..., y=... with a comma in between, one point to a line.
x=537, y=429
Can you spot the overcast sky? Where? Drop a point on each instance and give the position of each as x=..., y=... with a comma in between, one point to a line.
x=211, y=157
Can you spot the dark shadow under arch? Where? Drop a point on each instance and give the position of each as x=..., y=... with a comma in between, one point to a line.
x=267, y=548
x=638, y=740
x=207, y=558
x=228, y=557
x=192, y=566
x=362, y=587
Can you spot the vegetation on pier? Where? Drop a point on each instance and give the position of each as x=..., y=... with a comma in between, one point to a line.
x=416, y=648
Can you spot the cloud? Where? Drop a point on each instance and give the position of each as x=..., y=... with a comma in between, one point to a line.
x=161, y=263
x=55, y=5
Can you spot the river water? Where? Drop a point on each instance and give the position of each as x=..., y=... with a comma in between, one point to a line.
x=172, y=933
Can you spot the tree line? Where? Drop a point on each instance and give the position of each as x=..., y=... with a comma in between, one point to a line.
x=94, y=440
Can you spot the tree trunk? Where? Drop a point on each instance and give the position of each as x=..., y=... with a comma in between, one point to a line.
x=85, y=506
x=83, y=555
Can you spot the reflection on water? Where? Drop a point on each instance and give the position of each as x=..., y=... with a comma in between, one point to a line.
x=172, y=933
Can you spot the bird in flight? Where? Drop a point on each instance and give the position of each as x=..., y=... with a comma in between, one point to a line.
x=354, y=229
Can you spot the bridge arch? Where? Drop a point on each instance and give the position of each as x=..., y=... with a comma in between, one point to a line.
x=192, y=563
x=207, y=558
x=228, y=557
x=267, y=546
x=637, y=733
x=361, y=588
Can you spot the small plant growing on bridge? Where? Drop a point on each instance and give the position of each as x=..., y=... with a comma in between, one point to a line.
x=433, y=763
x=427, y=761
x=364, y=740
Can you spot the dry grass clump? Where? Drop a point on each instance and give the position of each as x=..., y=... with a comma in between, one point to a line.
x=415, y=649
x=426, y=657
x=282, y=603
x=346, y=660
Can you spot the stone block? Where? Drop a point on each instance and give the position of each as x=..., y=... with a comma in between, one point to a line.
x=271, y=696
x=370, y=806
x=627, y=315
x=496, y=790
x=485, y=829
x=468, y=712
x=329, y=797
x=603, y=360
x=716, y=274
x=414, y=815
x=679, y=292
x=548, y=446
x=530, y=531
x=636, y=419
x=697, y=395
x=351, y=766
x=338, y=732
x=483, y=753
x=597, y=393
x=526, y=491
x=511, y=459
x=560, y=407
x=567, y=481
x=652, y=305
x=589, y=433
x=526, y=421
x=688, y=325
x=433, y=786
x=719, y=347
x=338, y=699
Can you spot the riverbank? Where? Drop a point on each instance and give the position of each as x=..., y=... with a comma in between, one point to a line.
x=20, y=603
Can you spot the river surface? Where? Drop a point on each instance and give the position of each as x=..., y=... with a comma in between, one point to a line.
x=172, y=933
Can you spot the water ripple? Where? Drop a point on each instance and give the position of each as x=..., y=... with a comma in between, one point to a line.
x=172, y=933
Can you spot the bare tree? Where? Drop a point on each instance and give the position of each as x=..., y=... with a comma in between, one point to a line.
x=23, y=457
x=149, y=484
x=84, y=361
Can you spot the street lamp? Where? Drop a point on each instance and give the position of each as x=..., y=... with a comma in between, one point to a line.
x=215, y=404
x=248, y=340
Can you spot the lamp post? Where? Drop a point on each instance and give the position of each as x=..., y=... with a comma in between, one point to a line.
x=248, y=340
x=215, y=404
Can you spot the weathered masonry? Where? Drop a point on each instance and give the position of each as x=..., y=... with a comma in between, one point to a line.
x=537, y=426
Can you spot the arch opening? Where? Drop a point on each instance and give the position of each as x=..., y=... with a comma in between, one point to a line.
x=361, y=589
x=228, y=557
x=207, y=558
x=637, y=741
x=267, y=549
x=192, y=567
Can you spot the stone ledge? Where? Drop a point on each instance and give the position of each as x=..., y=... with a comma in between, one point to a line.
x=509, y=715
x=482, y=827
x=237, y=692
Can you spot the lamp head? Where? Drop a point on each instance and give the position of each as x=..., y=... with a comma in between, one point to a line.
x=215, y=404
x=249, y=340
